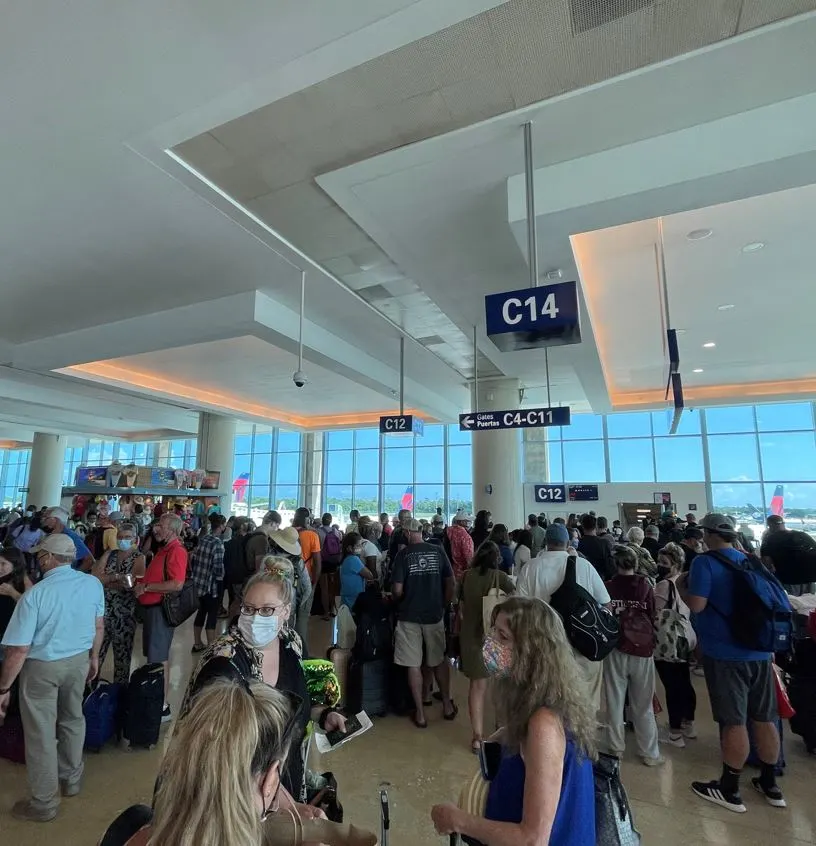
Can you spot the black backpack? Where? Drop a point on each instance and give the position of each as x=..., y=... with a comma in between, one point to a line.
x=797, y=558
x=235, y=571
x=592, y=630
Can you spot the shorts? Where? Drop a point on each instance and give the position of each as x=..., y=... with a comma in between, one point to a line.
x=410, y=639
x=157, y=636
x=740, y=691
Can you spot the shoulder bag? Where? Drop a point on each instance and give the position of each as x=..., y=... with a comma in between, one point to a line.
x=179, y=607
x=494, y=596
x=675, y=636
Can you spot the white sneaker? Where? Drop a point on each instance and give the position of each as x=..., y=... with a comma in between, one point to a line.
x=689, y=732
x=653, y=762
x=675, y=740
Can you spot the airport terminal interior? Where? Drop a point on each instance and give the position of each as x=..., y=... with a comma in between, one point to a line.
x=455, y=262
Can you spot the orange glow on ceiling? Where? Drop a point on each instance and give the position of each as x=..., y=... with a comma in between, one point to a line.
x=125, y=377
x=623, y=399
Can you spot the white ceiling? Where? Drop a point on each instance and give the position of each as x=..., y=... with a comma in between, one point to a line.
x=767, y=336
x=139, y=256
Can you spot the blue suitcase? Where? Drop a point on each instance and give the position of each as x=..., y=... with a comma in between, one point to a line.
x=101, y=709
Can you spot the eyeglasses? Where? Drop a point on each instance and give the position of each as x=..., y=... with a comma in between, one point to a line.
x=263, y=611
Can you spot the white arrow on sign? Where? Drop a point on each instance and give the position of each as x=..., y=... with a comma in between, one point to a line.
x=467, y=422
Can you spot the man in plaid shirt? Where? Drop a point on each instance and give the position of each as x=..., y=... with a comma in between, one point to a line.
x=207, y=572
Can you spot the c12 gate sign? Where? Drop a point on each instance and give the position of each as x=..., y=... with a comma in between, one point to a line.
x=519, y=418
x=550, y=493
x=533, y=317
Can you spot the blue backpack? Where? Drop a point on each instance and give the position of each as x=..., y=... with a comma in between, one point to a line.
x=762, y=617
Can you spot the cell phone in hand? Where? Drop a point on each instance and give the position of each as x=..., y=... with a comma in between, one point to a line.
x=352, y=726
x=490, y=754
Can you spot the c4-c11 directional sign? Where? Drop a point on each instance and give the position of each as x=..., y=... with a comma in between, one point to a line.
x=520, y=418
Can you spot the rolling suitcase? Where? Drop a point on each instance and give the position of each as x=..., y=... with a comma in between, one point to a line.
x=101, y=709
x=144, y=703
x=340, y=658
x=802, y=694
x=368, y=683
x=12, y=740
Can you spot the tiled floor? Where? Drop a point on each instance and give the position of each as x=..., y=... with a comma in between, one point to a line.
x=424, y=767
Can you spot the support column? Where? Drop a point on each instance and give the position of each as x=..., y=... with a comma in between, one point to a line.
x=45, y=470
x=497, y=484
x=216, y=450
x=311, y=471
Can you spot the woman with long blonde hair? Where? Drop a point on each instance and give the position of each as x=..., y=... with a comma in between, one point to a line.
x=220, y=778
x=543, y=790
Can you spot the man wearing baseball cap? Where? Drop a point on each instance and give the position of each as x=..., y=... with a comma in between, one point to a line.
x=739, y=679
x=52, y=643
x=55, y=522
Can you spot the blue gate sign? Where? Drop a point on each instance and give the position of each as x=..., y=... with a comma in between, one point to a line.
x=402, y=424
x=550, y=493
x=519, y=418
x=546, y=316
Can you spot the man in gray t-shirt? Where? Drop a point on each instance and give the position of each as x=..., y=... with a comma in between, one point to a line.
x=422, y=583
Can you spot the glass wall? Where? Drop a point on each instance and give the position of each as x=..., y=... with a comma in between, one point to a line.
x=13, y=475
x=744, y=453
x=373, y=473
x=266, y=471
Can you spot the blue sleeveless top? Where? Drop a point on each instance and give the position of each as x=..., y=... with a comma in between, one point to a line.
x=574, y=823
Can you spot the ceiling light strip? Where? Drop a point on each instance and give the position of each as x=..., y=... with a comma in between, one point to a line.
x=300, y=254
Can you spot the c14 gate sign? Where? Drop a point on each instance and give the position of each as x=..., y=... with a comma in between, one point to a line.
x=519, y=418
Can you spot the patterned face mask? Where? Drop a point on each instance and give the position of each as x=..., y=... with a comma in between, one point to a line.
x=498, y=657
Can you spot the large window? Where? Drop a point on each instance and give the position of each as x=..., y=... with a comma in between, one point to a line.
x=14, y=475
x=266, y=471
x=745, y=454
x=374, y=473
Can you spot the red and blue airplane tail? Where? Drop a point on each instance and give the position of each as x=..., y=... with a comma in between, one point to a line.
x=407, y=501
x=777, y=502
x=239, y=487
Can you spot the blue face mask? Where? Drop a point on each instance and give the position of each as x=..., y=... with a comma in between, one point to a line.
x=125, y=544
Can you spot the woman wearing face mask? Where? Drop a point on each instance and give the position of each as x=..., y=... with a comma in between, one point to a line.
x=353, y=573
x=220, y=779
x=543, y=791
x=260, y=647
x=118, y=569
x=681, y=700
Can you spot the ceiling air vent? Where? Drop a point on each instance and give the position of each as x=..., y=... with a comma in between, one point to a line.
x=431, y=341
x=375, y=293
x=590, y=14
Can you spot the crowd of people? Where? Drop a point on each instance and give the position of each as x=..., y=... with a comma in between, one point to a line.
x=472, y=594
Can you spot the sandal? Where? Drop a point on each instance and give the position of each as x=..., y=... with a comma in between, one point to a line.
x=417, y=723
x=453, y=714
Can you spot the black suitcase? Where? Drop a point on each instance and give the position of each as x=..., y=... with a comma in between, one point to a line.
x=144, y=704
x=802, y=694
x=368, y=683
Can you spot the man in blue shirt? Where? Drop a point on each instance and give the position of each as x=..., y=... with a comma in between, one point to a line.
x=52, y=643
x=739, y=680
x=56, y=522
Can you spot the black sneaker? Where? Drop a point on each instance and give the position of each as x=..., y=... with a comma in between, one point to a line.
x=773, y=795
x=713, y=792
x=166, y=715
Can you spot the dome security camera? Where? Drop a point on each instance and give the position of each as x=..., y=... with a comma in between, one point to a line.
x=299, y=378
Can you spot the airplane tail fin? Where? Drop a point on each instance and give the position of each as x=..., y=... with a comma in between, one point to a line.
x=407, y=501
x=778, y=502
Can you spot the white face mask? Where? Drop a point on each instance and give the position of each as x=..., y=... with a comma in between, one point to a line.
x=259, y=631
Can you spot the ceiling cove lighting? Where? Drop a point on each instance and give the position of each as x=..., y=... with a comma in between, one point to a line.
x=699, y=234
x=753, y=247
x=697, y=370
x=709, y=345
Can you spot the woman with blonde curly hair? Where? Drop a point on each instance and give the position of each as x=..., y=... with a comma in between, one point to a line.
x=543, y=791
x=261, y=647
